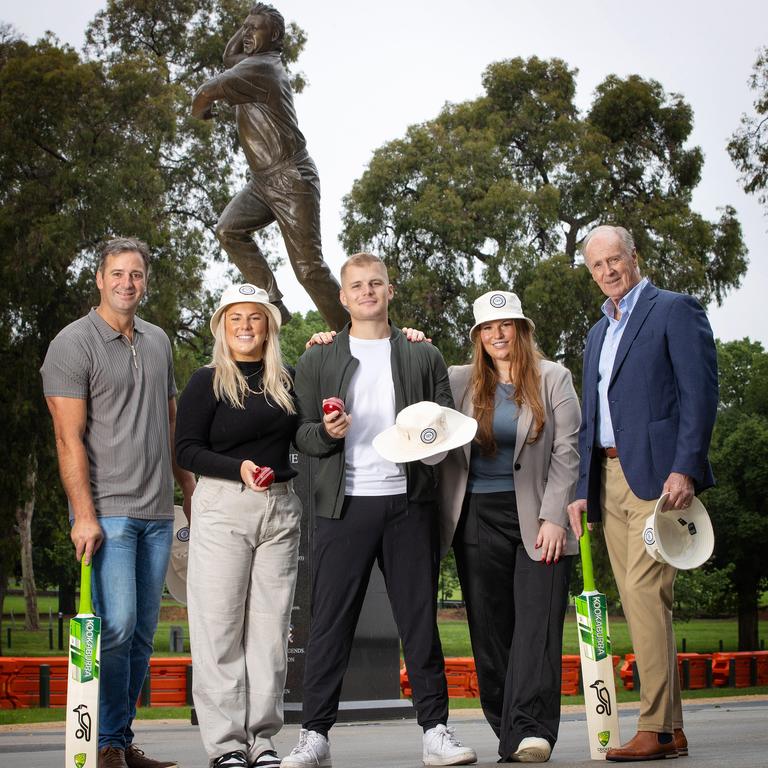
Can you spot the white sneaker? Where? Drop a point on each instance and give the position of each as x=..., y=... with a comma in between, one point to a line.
x=532, y=749
x=441, y=747
x=312, y=751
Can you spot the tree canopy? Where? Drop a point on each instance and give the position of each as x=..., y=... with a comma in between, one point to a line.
x=500, y=190
x=748, y=146
x=739, y=502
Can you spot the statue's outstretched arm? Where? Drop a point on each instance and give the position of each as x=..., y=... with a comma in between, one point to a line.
x=204, y=98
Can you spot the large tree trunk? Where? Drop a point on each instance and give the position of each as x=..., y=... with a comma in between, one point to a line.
x=748, y=620
x=24, y=514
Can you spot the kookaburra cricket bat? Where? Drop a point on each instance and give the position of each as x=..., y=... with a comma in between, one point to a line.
x=596, y=660
x=82, y=732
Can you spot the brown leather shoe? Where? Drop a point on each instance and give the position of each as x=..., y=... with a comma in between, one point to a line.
x=135, y=758
x=112, y=757
x=681, y=743
x=645, y=745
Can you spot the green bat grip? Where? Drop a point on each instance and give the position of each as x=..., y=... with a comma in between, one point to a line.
x=586, y=557
x=85, y=587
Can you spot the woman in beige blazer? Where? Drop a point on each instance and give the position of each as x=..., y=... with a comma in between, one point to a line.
x=503, y=506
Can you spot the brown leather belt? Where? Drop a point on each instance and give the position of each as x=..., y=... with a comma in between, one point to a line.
x=610, y=453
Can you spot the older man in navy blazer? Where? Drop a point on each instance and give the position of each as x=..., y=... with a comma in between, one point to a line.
x=649, y=402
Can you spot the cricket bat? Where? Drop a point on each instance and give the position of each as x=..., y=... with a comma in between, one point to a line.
x=596, y=660
x=82, y=731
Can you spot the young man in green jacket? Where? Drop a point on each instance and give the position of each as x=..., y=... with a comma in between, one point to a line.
x=367, y=509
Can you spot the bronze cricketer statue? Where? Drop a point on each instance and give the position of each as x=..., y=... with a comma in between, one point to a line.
x=283, y=184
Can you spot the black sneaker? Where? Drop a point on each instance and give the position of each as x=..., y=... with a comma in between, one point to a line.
x=231, y=760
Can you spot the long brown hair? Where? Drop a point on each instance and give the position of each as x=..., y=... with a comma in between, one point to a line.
x=525, y=374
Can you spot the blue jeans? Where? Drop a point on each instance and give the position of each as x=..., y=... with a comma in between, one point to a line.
x=128, y=575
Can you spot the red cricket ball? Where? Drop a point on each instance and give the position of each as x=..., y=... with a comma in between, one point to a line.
x=333, y=404
x=263, y=477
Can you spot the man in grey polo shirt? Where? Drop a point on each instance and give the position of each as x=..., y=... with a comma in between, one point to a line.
x=108, y=381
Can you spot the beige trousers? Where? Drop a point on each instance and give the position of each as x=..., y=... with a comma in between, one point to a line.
x=646, y=588
x=243, y=555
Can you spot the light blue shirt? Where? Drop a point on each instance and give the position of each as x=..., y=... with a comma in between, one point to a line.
x=493, y=474
x=613, y=335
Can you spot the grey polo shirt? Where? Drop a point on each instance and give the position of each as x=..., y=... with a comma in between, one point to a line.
x=127, y=388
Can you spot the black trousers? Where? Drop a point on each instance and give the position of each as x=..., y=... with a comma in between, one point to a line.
x=403, y=538
x=515, y=608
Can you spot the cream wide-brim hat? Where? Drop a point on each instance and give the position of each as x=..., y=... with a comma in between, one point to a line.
x=497, y=305
x=176, y=575
x=422, y=431
x=683, y=538
x=245, y=293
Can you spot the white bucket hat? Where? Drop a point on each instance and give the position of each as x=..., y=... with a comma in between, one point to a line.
x=422, y=431
x=245, y=292
x=176, y=575
x=497, y=305
x=681, y=537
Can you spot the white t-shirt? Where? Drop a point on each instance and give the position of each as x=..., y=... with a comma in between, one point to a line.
x=371, y=403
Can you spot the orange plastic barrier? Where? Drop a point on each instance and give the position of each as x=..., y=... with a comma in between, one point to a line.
x=625, y=671
x=462, y=677
x=20, y=681
x=695, y=670
x=740, y=669
x=569, y=685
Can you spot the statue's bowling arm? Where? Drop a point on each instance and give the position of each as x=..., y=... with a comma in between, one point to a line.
x=204, y=98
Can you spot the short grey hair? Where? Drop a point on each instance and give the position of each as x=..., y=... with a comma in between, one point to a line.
x=624, y=235
x=118, y=245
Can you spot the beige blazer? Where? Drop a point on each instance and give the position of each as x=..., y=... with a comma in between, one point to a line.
x=545, y=471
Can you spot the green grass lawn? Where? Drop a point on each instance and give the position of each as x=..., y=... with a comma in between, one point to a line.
x=700, y=635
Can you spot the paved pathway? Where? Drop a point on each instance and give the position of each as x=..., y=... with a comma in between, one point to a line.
x=722, y=733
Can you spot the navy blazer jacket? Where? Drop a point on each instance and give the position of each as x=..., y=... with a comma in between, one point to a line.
x=662, y=396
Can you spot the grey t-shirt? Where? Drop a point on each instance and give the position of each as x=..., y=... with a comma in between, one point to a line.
x=127, y=388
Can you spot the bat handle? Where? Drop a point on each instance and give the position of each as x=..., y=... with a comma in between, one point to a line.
x=85, y=587
x=585, y=547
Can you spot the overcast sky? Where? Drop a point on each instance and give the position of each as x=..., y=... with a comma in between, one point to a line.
x=376, y=68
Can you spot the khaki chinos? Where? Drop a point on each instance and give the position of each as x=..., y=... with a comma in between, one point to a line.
x=646, y=588
x=243, y=554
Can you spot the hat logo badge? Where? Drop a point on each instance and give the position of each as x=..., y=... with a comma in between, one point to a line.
x=183, y=533
x=648, y=536
x=247, y=290
x=428, y=435
x=497, y=301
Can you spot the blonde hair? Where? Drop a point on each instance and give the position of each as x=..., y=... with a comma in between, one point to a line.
x=525, y=374
x=230, y=384
x=362, y=260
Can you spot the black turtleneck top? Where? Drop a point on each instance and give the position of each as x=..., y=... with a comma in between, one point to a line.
x=213, y=438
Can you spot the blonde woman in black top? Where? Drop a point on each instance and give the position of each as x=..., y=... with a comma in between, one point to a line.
x=236, y=420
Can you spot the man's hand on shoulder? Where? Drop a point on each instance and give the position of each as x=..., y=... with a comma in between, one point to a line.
x=415, y=335
x=321, y=338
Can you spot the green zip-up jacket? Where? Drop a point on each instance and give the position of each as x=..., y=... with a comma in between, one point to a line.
x=325, y=370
